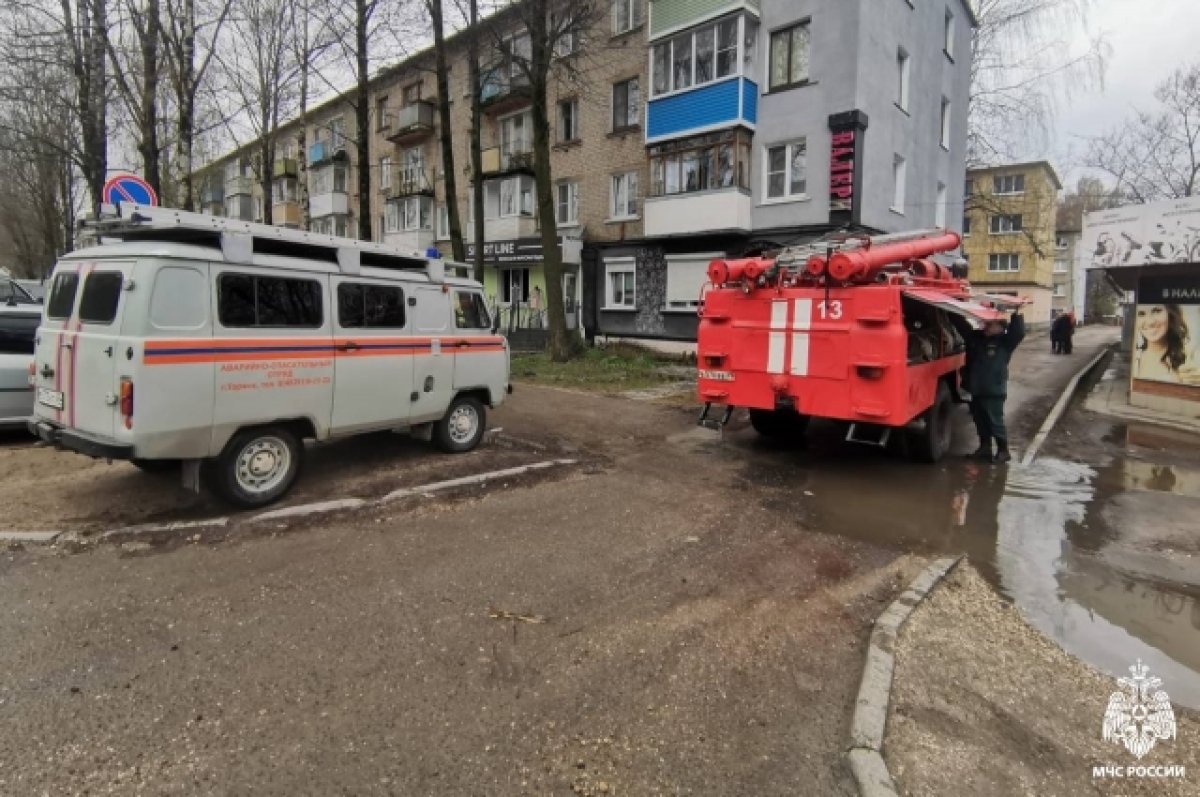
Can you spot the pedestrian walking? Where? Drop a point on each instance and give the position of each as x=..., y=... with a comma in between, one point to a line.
x=988, y=354
x=1059, y=334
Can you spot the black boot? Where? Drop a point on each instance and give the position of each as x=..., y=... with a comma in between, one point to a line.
x=1002, y=454
x=984, y=451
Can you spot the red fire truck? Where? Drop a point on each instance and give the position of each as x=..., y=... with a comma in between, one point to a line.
x=867, y=330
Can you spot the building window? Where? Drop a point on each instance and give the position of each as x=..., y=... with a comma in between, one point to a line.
x=948, y=46
x=331, y=225
x=514, y=285
x=945, y=123
x=383, y=119
x=329, y=180
x=899, y=178
x=566, y=33
x=903, y=68
x=627, y=100
x=700, y=164
x=1060, y=242
x=620, y=284
x=686, y=277
x=624, y=204
x=966, y=225
x=1006, y=224
x=385, y=172
x=515, y=134
x=284, y=190
x=411, y=214
x=1004, y=262
x=789, y=57
x=442, y=216
x=568, y=120
x=627, y=15
x=567, y=203
x=697, y=57
x=939, y=211
x=787, y=170
x=1060, y=290
x=1060, y=267
x=968, y=189
x=1008, y=184
x=411, y=94
x=507, y=197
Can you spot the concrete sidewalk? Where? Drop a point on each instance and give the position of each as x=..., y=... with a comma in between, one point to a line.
x=1110, y=397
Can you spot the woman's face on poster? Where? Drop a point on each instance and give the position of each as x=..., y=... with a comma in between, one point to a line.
x=1152, y=322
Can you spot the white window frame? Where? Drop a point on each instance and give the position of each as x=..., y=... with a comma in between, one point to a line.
x=739, y=60
x=939, y=211
x=767, y=199
x=385, y=173
x=624, y=185
x=698, y=260
x=1060, y=290
x=572, y=203
x=526, y=137
x=999, y=181
x=904, y=70
x=1002, y=224
x=946, y=120
x=1062, y=267
x=899, y=183
x=441, y=222
x=612, y=267
x=948, y=44
x=1012, y=263
x=634, y=118
x=633, y=15
x=573, y=104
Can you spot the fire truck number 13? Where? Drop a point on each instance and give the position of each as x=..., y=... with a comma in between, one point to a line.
x=830, y=309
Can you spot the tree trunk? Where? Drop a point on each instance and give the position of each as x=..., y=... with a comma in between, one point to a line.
x=450, y=176
x=148, y=135
x=186, y=122
x=476, y=139
x=560, y=348
x=266, y=153
x=302, y=160
x=362, y=119
x=92, y=99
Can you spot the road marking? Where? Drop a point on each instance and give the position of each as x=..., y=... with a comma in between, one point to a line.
x=29, y=536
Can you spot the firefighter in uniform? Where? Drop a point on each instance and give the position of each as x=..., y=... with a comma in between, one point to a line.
x=988, y=353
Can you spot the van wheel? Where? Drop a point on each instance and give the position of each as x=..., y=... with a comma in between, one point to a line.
x=785, y=425
x=461, y=428
x=155, y=465
x=256, y=468
x=931, y=443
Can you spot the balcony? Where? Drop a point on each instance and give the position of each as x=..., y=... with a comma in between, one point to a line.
x=721, y=209
x=285, y=167
x=325, y=152
x=498, y=161
x=728, y=103
x=502, y=91
x=408, y=181
x=410, y=240
x=212, y=195
x=332, y=203
x=507, y=227
x=410, y=123
x=285, y=214
x=239, y=186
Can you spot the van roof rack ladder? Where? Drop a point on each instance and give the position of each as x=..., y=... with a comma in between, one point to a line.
x=239, y=241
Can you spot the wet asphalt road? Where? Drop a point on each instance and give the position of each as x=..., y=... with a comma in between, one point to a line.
x=706, y=601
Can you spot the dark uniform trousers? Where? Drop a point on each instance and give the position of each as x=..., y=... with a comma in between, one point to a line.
x=988, y=414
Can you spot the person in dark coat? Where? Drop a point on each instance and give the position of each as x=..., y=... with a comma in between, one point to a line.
x=1059, y=334
x=1068, y=341
x=988, y=353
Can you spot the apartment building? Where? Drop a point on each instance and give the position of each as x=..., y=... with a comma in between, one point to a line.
x=1010, y=232
x=687, y=130
x=1067, y=277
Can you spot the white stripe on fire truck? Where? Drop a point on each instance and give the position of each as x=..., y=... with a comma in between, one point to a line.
x=801, y=320
x=777, y=340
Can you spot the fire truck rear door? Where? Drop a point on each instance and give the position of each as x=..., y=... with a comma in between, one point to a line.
x=972, y=311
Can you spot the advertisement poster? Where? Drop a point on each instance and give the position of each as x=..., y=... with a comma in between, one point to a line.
x=1143, y=235
x=1167, y=331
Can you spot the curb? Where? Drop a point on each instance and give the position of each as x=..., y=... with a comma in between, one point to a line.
x=288, y=512
x=1061, y=406
x=875, y=690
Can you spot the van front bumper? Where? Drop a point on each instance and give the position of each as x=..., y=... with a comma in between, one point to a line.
x=79, y=442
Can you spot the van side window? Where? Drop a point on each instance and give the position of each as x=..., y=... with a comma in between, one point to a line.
x=470, y=312
x=179, y=299
x=245, y=300
x=101, y=295
x=370, y=306
x=62, y=295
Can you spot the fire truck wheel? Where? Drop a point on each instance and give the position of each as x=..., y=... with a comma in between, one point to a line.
x=461, y=428
x=256, y=468
x=779, y=424
x=931, y=443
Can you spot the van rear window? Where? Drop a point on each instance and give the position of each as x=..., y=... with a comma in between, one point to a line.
x=101, y=295
x=62, y=295
x=370, y=306
x=245, y=300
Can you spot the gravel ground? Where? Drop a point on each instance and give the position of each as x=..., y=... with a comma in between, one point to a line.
x=984, y=705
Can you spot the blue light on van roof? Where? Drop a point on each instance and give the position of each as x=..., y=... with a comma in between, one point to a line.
x=433, y=254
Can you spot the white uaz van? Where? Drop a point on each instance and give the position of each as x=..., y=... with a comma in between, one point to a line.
x=222, y=345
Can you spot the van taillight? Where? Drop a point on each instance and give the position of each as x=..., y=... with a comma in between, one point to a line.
x=127, y=401
x=32, y=372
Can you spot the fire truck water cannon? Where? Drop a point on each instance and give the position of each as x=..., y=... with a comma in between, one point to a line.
x=865, y=264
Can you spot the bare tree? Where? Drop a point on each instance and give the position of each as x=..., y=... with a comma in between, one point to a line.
x=1156, y=154
x=258, y=66
x=476, y=142
x=189, y=44
x=1023, y=64
x=446, y=132
x=136, y=70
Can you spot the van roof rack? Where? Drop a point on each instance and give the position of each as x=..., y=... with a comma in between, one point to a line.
x=239, y=241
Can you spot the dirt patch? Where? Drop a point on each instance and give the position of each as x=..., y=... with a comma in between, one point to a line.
x=985, y=705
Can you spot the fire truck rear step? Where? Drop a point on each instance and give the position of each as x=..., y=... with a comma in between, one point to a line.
x=714, y=423
x=883, y=434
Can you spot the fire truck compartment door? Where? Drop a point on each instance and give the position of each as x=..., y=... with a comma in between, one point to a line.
x=972, y=311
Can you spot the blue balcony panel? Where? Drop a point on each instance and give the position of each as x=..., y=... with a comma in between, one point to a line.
x=708, y=107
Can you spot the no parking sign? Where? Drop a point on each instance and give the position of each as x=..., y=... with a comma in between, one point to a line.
x=128, y=188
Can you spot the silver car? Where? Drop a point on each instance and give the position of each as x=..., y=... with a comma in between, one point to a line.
x=20, y=315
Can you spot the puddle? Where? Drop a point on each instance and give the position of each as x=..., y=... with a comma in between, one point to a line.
x=1105, y=559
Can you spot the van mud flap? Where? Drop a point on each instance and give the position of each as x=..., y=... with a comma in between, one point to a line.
x=190, y=474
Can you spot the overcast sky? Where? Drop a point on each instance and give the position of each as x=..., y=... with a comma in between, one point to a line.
x=1148, y=39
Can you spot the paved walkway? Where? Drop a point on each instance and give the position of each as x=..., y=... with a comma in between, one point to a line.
x=1110, y=397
